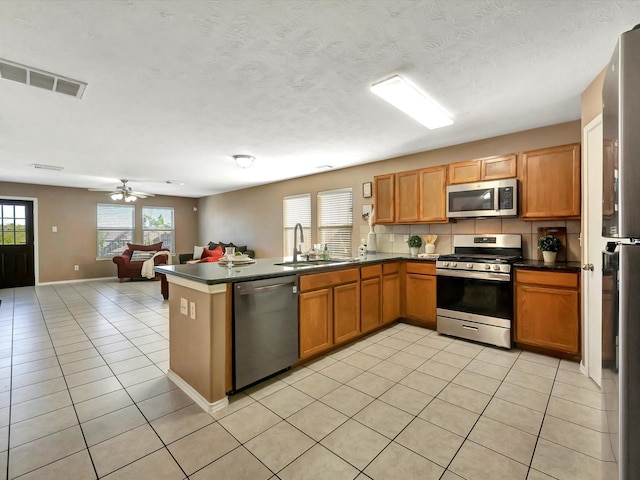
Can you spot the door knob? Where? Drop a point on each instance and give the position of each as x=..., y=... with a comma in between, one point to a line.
x=588, y=266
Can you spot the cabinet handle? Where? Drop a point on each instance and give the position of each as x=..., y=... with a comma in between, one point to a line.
x=467, y=327
x=588, y=266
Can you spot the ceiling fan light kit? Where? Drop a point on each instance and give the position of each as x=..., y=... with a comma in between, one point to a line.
x=123, y=192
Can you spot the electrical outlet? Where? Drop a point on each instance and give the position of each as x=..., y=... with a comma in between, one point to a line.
x=183, y=306
x=193, y=310
x=406, y=238
x=76, y=267
x=392, y=238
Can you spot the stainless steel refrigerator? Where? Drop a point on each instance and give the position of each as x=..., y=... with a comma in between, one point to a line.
x=621, y=259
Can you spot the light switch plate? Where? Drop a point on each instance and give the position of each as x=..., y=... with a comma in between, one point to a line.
x=193, y=310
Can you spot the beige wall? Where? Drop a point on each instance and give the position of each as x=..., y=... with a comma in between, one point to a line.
x=253, y=216
x=73, y=211
x=591, y=101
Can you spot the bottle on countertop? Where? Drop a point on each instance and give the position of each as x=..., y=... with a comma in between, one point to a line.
x=325, y=252
x=362, y=249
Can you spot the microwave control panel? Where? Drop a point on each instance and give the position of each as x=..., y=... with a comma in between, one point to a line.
x=505, y=198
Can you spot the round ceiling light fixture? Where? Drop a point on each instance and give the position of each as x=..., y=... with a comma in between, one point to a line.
x=244, y=161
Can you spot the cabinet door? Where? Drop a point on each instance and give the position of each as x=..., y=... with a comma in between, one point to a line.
x=346, y=311
x=464, y=172
x=495, y=168
x=384, y=198
x=548, y=317
x=420, y=298
x=370, y=311
x=550, y=183
x=316, y=321
x=390, y=297
x=433, y=200
x=407, y=184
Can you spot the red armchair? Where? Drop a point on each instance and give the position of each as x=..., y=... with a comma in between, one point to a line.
x=128, y=268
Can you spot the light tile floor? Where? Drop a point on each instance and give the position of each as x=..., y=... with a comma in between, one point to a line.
x=84, y=395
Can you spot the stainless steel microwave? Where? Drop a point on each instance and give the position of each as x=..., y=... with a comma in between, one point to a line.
x=497, y=198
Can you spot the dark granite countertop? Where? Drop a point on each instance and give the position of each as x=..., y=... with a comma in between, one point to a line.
x=214, y=273
x=556, y=266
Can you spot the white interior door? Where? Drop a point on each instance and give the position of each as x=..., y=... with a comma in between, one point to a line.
x=592, y=246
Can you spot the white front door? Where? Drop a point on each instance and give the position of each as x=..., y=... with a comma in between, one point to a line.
x=592, y=246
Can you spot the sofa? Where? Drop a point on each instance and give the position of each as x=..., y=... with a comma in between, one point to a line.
x=130, y=261
x=212, y=246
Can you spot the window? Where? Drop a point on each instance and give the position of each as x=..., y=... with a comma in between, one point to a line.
x=115, y=229
x=335, y=221
x=157, y=226
x=14, y=225
x=296, y=209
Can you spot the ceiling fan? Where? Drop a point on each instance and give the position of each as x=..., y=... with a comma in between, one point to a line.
x=123, y=192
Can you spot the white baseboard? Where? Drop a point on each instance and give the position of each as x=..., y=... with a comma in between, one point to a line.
x=80, y=280
x=195, y=396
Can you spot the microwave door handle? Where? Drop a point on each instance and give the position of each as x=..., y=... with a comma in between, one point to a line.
x=496, y=199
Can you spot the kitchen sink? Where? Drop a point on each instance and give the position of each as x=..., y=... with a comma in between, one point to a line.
x=310, y=263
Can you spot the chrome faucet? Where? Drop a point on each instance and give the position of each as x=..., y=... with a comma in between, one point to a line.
x=296, y=247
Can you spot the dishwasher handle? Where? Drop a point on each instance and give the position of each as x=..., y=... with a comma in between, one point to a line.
x=244, y=290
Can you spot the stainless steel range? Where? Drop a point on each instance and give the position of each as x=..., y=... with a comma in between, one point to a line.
x=475, y=288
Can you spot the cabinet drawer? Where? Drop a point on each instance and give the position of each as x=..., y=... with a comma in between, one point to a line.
x=371, y=271
x=556, y=279
x=320, y=280
x=389, y=268
x=424, y=268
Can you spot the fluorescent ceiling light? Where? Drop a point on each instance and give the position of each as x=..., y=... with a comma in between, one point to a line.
x=405, y=97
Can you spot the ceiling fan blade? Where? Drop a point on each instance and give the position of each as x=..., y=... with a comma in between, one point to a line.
x=100, y=189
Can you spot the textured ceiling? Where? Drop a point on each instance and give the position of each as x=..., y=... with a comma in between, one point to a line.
x=175, y=88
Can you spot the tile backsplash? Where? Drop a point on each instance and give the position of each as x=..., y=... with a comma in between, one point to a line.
x=445, y=232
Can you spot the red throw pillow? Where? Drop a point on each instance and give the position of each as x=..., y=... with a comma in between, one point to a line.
x=214, y=254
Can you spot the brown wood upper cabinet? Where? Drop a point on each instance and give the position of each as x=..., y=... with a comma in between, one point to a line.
x=384, y=197
x=407, y=196
x=433, y=200
x=489, y=168
x=416, y=196
x=550, y=181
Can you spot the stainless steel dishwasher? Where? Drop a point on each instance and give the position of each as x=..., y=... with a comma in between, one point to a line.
x=265, y=332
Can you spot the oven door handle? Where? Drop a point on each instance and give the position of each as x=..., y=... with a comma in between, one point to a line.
x=498, y=277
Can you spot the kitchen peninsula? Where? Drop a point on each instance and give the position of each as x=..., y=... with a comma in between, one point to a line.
x=201, y=316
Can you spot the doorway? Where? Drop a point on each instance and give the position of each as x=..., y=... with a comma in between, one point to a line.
x=17, y=266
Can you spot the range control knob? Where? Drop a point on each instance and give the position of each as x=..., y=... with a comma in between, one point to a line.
x=454, y=264
x=469, y=265
x=487, y=266
x=496, y=267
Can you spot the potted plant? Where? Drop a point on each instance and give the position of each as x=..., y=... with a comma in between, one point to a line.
x=549, y=245
x=415, y=242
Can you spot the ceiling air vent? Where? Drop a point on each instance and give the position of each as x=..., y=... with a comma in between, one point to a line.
x=39, y=78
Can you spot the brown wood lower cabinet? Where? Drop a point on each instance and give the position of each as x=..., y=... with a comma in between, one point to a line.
x=316, y=321
x=370, y=297
x=391, y=292
x=420, y=293
x=548, y=310
x=329, y=310
x=346, y=312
